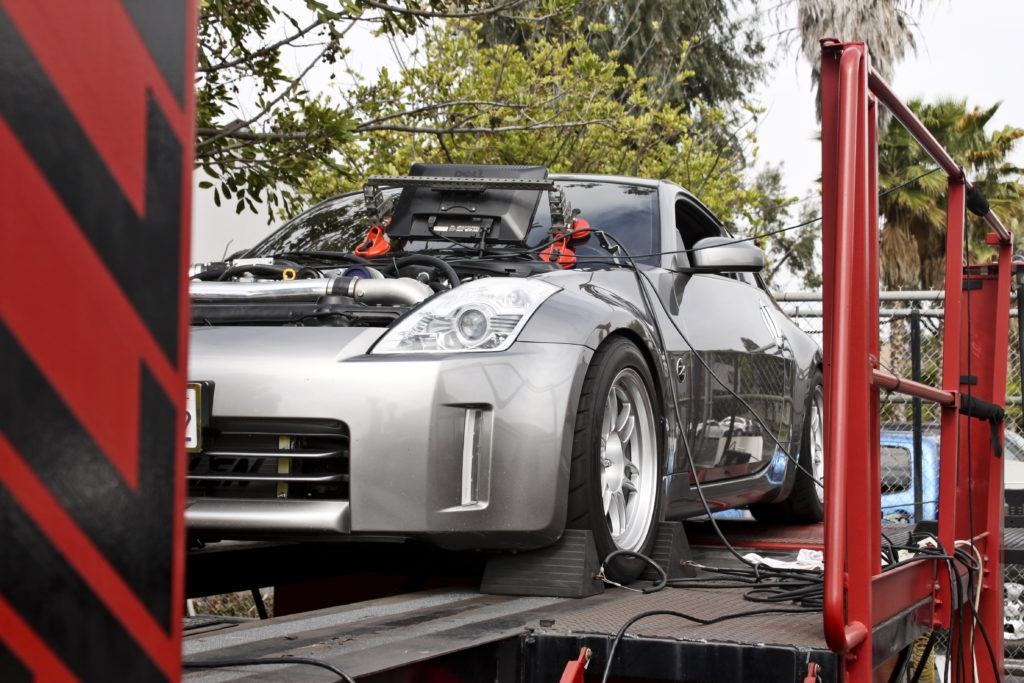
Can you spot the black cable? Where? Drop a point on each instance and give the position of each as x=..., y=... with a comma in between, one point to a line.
x=924, y=657
x=497, y=253
x=901, y=664
x=397, y=261
x=758, y=236
x=912, y=180
x=309, y=661
x=969, y=560
x=704, y=622
x=662, y=576
x=733, y=394
x=326, y=256
x=641, y=279
x=675, y=390
x=970, y=458
x=988, y=643
x=763, y=584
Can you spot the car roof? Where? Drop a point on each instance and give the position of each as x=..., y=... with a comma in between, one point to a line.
x=1013, y=443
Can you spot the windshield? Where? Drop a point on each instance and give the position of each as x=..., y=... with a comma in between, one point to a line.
x=629, y=212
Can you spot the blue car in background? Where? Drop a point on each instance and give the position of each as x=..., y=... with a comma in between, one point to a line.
x=897, y=474
x=897, y=471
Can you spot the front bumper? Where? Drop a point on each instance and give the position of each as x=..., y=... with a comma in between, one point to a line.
x=462, y=450
x=267, y=517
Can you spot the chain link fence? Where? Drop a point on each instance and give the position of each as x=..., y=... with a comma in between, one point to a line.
x=910, y=336
x=910, y=332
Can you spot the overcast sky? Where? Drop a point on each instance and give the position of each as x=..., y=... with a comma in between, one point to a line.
x=966, y=49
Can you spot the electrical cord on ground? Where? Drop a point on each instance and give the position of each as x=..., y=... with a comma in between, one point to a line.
x=764, y=584
x=662, y=576
x=309, y=661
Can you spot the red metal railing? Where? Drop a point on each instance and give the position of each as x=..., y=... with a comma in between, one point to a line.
x=858, y=595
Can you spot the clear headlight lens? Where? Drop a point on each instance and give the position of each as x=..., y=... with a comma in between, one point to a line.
x=482, y=315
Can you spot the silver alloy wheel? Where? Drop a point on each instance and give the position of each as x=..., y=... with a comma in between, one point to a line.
x=817, y=438
x=629, y=466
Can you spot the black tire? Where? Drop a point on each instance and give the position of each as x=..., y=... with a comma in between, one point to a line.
x=805, y=504
x=615, y=477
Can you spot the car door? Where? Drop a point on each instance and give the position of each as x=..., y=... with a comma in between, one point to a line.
x=735, y=382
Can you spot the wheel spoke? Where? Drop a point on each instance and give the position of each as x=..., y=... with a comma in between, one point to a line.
x=617, y=513
x=609, y=415
x=628, y=443
x=626, y=430
x=625, y=412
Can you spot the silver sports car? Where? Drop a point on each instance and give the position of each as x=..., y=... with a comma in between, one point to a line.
x=484, y=356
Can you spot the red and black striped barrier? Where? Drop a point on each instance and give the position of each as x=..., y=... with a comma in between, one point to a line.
x=95, y=167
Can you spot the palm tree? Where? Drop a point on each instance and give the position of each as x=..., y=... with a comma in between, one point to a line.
x=883, y=24
x=912, y=252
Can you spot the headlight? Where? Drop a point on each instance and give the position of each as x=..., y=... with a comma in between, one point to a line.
x=482, y=315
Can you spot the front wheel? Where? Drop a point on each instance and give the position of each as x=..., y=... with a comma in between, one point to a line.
x=806, y=502
x=615, y=475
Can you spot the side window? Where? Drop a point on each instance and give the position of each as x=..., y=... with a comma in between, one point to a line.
x=747, y=278
x=693, y=224
x=895, y=469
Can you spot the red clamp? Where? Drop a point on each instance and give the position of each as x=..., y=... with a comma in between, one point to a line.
x=375, y=244
x=812, y=673
x=574, y=670
x=561, y=250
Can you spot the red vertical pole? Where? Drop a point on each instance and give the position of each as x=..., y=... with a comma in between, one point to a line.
x=950, y=422
x=862, y=530
x=847, y=370
x=983, y=364
x=871, y=221
x=830, y=54
x=856, y=592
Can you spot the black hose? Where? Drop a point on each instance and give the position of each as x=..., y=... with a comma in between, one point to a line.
x=425, y=260
x=256, y=269
x=211, y=273
x=343, y=256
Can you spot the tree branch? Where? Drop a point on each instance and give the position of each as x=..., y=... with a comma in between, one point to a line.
x=443, y=105
x=238, y=125
x=218, y=133
x=430, y=14
x=483, y=129
x=260, y=52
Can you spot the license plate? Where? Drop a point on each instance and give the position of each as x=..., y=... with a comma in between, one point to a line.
x=193, y=418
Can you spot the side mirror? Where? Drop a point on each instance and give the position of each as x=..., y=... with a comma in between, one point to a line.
x=725, y=255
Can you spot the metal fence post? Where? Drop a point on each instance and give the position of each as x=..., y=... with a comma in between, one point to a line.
x=915, y=370
x=1019, y=287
